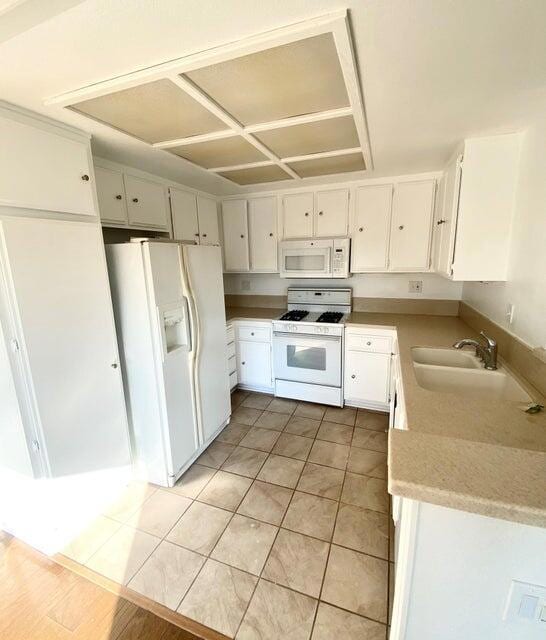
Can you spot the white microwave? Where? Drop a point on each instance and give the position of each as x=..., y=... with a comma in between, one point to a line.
x=320, y=258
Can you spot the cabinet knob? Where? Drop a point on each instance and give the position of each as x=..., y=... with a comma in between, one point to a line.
x=361, y=229
x=196, y=235
x=307, y=214
x=321, y=213
x=353, y=376
x=252, y=333
x=441, y=221
x=204, y=235
x=135, y=199
x=118, y=197
x=243, y=362
x=368, y=343
x=242, y=236
x=114, y=365
x=85, y=177
x=270, y=235
x=401, y=227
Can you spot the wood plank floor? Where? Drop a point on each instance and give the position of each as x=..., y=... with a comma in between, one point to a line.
x=41, y=600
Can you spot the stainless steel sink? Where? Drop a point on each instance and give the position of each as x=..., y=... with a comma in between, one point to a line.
x=491, y=385
x=445, y=357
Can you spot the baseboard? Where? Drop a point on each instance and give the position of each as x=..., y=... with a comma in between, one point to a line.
x=382, y=407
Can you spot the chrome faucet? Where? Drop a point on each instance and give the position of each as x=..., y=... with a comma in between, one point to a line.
x=487, y=351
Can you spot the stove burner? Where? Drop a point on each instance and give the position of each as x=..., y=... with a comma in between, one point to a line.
x=330, y=316
x=295, y=315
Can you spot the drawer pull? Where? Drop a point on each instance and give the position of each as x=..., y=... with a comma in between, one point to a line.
x=252, y=333
x=353, y=376
x=369, y=343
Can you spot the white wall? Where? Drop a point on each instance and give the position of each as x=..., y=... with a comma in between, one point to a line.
x=373, y=285
x=526, y=285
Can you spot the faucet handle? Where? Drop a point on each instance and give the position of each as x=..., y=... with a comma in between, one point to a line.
x=491, y=342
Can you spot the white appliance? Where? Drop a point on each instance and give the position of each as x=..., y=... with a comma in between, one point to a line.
x=308, y=345
x=169, y=307
x=321, y=258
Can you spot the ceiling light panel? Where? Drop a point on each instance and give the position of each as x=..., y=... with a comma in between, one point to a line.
x=220, y=153
x=256, y=175
x=154, y=112
x=329, y=165
x=293, y=79
x=311, y=137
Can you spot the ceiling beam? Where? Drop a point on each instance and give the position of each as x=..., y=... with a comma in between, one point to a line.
x=205, y=137
x=248, y=165
x=304, y=119
x=323, y=154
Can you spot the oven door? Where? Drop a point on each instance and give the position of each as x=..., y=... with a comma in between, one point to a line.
x=306, y=262
x=307, y=358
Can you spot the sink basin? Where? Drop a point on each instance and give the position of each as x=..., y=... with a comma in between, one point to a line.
x=445, y=357
x=492, y=385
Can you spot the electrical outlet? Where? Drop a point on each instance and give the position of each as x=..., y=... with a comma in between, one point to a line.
x=510, y=309
x=245, y=285
x=416, y=286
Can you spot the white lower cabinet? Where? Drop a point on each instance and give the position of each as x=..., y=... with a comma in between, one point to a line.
x=367, y=370
x=253, y=355
x=232, y=358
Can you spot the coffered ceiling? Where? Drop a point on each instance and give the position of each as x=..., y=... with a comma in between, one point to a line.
x=283, y=105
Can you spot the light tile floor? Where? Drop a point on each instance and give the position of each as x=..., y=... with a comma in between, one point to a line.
x=280, y=529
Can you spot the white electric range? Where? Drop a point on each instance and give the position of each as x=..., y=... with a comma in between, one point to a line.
x=308, y=345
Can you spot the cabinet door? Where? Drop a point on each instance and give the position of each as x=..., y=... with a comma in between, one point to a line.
x=370, y=246
x=254, y=363
x=298, y=215
x=262, y=232
x=146, y=202
x=184, y=215
x=235, y=226
x=40, y=169
x=111, y=196
x=367, y=376
x=332, y=213
x=207, y=211
x=410, y=226
x=448, y=220
x=437, y=222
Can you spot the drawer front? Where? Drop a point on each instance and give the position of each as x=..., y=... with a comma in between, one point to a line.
x=373, y=344
x=233, y=380
x=254, y=334
x=231, y=350
x=232, y=364
x=230, y=334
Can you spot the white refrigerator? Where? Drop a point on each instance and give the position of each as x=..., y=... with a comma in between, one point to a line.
x=170, y=316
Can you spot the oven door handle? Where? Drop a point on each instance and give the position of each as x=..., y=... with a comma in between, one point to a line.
x=308, y=336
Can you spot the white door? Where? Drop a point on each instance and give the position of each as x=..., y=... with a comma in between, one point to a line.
x=146, y=202
x=204, y=269
x=60, y=289
x=332, y=213
x=166, y=293
x=298, y=215
x=262, y=233
x=208, y=221
x=367, y=376
x=235, y=225
x=370, y=245
x=40, y=169
x=111, y=196
x=411, y=225
x=184, y=215
x=254, y=363
x=449, y=216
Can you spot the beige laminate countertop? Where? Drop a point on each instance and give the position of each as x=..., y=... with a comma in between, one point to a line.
x=461, y=452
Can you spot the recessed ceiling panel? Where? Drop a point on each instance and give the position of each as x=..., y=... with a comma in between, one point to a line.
x=332, y=164
x=154, y=112
x=220, y=153
x=293, y=79
x=312, y=137
x=255, y=175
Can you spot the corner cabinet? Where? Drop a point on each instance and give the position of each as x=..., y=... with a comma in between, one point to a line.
x=367, y=371
x=474, y=224
x=250, y=235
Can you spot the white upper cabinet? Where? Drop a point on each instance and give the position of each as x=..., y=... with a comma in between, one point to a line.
x=44, y=167
x=332, y=213
x=411, y=226
x=111, y=196
x=262, y=234
x=235, y=224
x=207, y=211
x=478, y=209
x=370, y=237
x=184, y=215
x=298, y=215
x=448, y=202
x=147, y=203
